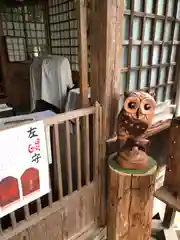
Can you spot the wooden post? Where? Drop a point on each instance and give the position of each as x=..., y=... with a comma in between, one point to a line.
x=172, y=179
x=169, y=217
x=106, y=36
x=83, y=51
x=130, y=201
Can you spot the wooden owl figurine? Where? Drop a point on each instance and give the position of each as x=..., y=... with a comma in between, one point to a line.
x=133, y=121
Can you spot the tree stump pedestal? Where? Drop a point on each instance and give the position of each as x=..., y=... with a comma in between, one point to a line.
x=130, y=201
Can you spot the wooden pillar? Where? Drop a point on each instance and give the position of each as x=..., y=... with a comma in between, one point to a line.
x=3, y=57
x=106, y=36
x=81, y=6
x=172, y=179
x=130, y=201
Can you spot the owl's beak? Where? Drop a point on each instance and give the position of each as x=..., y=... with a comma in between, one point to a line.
x=137, y=113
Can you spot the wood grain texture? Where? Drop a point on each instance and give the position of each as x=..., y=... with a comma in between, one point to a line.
x=65, y=220
x=68, y=158
x=130, y=202
x=78, y=154
x=83, y=51
x=76, y=213
x=86, y=149
x=106, y=51
x=57, y=163
x=172, y=179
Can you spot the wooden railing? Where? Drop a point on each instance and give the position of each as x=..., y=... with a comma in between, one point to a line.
x=74, y=173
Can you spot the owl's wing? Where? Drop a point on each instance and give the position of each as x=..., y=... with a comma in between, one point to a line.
x=122, y=134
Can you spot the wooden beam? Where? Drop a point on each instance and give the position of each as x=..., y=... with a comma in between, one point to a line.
x=169, y=217
x=176, y=89
x=83, y=51
x=106, y=32
x=3, y=57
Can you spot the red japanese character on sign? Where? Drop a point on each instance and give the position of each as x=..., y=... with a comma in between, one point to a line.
x=35, y=146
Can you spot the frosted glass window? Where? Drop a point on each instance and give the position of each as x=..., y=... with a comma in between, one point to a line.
x=65, y=27
x=153, y=77
x=162, y=76
x=135, y=56
x=176, y=32
x=126, y=27
x=159, y=96
x=158, y=30
x=149, y=6
x=156, y=53
x=133, y=80
x=168, y=92
x=10, y=32
x=161, y=7
x=178, y=10
x=145, y=57
x=138, y=6
x=165, y=54
x=173, y=54
x=171, y=74
x=16, y=49
x=124, y=58
x=148, y=29
x=122, y=83
x=171, y=8
x=30, y=29
x=10, y=25
x=137, y=28
x=168, y=30
x=144, y=79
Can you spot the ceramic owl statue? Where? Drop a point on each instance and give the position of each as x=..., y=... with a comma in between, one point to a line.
x=133, y=121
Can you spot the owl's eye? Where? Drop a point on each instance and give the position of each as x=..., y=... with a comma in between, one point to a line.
x=132, y=105
x=147, y=106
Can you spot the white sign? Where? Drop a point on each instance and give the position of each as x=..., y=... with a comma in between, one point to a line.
x=24, y=167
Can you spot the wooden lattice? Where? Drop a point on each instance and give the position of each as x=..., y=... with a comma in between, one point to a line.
x=151, y=36
x=63, y=30
x=74, y=167
x=24, y=29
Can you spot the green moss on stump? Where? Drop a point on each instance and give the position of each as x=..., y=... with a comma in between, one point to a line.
x=152, y=166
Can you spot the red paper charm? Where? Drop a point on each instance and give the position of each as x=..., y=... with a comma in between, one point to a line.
x=9, y=191
x=30, y=181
